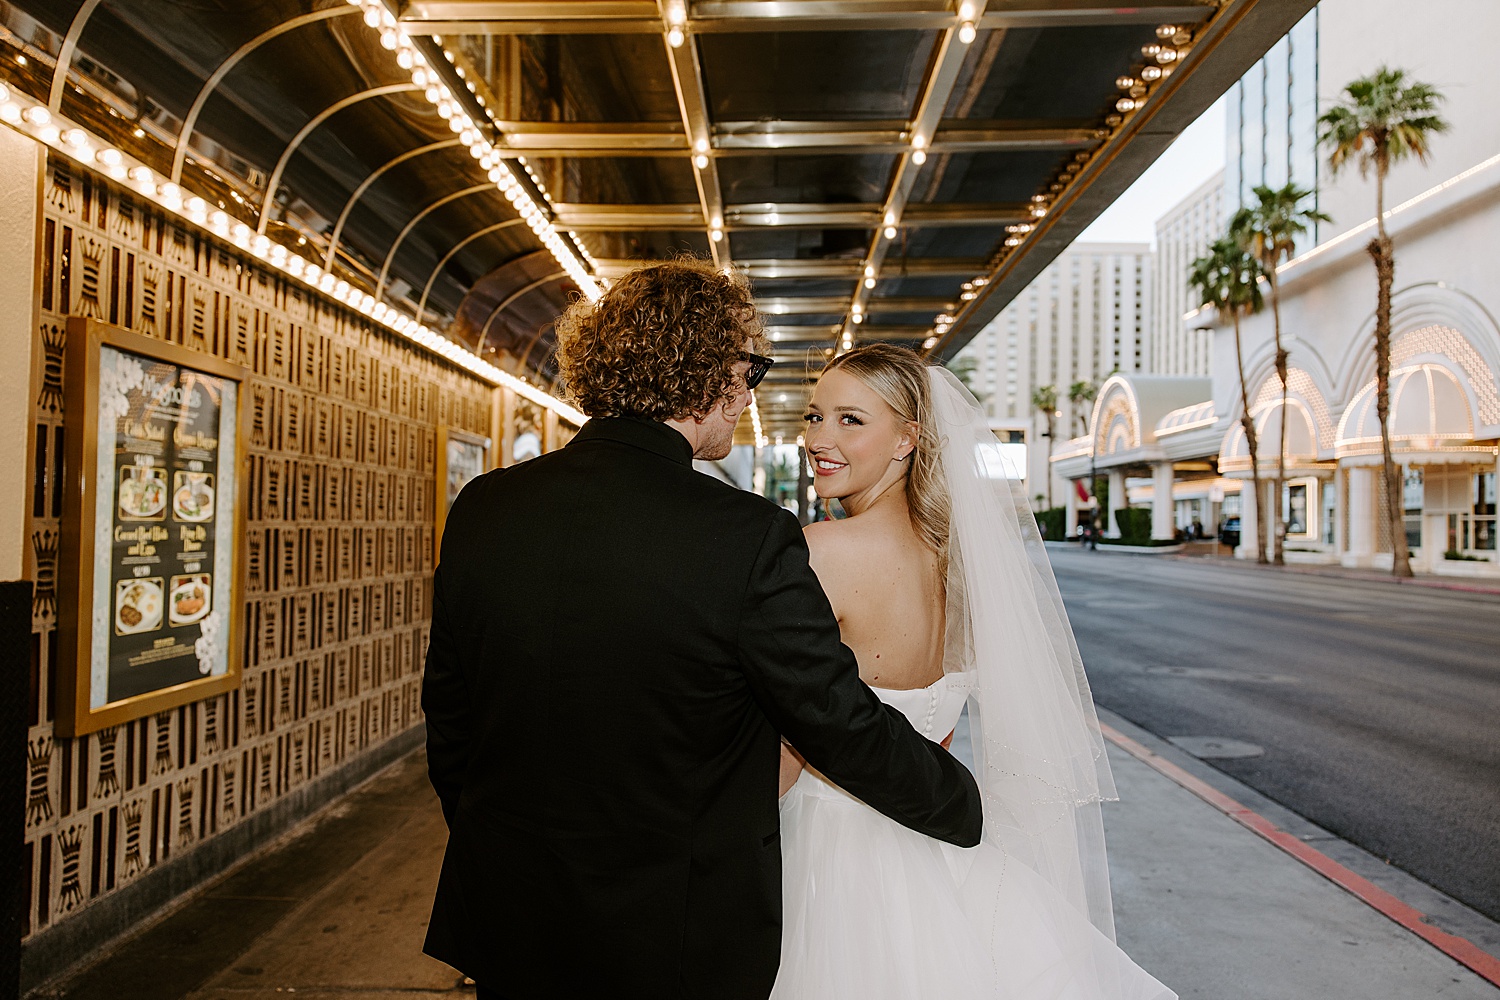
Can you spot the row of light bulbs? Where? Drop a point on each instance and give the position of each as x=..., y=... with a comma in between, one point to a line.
x=36, y=121
x=409, y=58
x=967, y=31
x=760, y=434
x=1161, y=57
x=677, y=34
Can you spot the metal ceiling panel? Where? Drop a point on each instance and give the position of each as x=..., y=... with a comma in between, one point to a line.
x=861, y=160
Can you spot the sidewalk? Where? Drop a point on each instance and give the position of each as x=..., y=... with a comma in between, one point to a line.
x=1472, y=585
x=1220, y=556
x=339, y=907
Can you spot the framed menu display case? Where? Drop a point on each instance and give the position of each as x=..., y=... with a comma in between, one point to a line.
x=153, y=521
x=460, y=458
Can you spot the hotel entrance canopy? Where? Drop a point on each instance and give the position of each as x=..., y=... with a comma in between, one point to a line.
x=881, y=169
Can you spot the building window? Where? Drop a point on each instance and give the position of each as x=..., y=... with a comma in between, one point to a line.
x=1411, y=503
x=1330, y=501
x=1474, y=532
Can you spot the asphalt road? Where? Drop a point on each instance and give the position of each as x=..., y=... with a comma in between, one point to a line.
x=1377, y=705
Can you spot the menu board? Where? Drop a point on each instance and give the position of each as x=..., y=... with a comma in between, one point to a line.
x=163, y=525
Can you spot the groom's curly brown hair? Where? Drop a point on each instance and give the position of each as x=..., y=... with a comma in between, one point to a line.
x=660, y=344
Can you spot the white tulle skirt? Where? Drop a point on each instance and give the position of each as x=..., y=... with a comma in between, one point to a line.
x=874, y=911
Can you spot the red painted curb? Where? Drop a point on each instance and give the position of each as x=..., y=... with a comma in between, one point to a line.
x=1461, y=950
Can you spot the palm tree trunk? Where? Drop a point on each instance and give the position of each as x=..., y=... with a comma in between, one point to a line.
x=1252, y=442
x=1385, y=273
x=1281, y=372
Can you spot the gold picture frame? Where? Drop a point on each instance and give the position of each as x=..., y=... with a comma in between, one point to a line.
x=460, y=457
x=158, y=513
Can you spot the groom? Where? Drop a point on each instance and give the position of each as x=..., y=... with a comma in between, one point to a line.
x=617, y=643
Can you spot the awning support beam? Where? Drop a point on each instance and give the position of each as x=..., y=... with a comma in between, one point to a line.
x=274, y=181
x=190, y=122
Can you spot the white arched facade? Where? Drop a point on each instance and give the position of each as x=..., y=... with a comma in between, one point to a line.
x=1444, y=389
x=1191, y=462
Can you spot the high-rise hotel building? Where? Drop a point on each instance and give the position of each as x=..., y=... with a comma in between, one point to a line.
x=1183, y=235
x=1086, y=316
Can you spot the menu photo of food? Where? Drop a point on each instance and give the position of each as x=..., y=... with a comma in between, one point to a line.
x=190, y=598
x=143, y=493
x=138, y=605
x=193, y=496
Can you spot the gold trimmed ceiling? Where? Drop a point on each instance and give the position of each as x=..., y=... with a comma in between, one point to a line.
x=881, y=169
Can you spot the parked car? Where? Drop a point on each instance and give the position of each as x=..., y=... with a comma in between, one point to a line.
x=1229, y=531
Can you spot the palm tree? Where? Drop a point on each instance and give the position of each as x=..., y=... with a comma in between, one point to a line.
x=1044, y=398
x=1383, y=119
x=1080, y=393
x=966, y=369
x=1228, y=280
x=1269, y=230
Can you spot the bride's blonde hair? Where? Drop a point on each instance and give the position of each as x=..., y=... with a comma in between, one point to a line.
x=899, y=377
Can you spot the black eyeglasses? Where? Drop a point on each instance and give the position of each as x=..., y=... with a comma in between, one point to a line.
x=758, y=367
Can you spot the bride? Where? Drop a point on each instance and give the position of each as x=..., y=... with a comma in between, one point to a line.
x=943, y=591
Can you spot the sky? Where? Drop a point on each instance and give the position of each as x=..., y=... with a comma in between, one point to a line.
x=1188, y=162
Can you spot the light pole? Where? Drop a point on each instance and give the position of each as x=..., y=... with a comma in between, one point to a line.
x=1093, y=489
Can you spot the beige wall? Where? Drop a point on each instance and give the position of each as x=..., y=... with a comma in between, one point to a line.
x=342, y=421
x=1447, y=43
x=19, y=201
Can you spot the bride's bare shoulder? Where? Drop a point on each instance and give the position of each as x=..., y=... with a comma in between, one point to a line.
x=833, y=535
x=836, y=543
x=835, y=550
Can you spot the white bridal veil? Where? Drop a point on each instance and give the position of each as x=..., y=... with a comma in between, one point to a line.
x=1038, y=751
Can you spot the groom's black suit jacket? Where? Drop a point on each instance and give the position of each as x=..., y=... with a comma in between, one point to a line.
x=617, y=643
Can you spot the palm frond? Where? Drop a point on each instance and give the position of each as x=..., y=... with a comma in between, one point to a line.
x=1382, y=118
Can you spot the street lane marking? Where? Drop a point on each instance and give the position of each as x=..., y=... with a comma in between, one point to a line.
x=1461, y=950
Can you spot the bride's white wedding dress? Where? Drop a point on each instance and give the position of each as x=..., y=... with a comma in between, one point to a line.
x=874, y=911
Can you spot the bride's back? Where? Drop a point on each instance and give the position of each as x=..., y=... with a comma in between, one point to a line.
x=886, y=587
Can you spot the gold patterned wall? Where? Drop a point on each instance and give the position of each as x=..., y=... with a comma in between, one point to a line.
x=343, y=421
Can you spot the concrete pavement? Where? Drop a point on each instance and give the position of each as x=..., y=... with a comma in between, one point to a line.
x=338, y=909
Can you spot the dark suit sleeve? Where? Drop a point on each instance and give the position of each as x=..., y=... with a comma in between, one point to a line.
x=807, y=682
x=445, y=702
